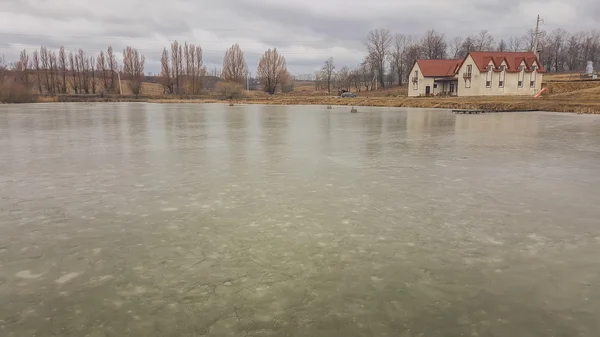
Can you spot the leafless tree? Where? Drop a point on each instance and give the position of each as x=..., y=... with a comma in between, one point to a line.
x=514, y=44
x=3, y=70
x=73, y=69
x=235, y=68
x=23, y=68
x=112, y=68
x=413, y=53
x=328, y=71
x=502, y=46
x=62, y=66
x=53, y=63
x=101, y=70
x=45, y=60
x=199, y=70
x=397, y=57
x=468, y=45
x=133, y=68
x=378, y=43
x=343, y=78
x=165, y=73
x=455, y=47
x=434, y=45
x=38, y=70
x=177, y=65
x=272, y=70
x=484, y=41
x=83, y=70
x=529, y=39
x=92, y=67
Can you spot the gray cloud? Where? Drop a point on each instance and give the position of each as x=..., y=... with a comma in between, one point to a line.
x=306, y=32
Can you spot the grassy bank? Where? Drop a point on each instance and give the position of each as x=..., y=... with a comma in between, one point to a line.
x=486, y=103
x=576, y=97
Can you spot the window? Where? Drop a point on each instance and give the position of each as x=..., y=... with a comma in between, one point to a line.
x=532, y=84
x=501, y=84
x=488, y=84
x=488, y=77
x=502, y=76
x=469, y=69
x=415, y=80
x=502, y=68
x=520, y=84
x=435, y=86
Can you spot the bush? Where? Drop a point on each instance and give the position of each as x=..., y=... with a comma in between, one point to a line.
x=15, y=93
x=229, y=90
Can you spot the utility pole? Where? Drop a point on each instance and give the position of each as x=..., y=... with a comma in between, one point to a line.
x=536, y=37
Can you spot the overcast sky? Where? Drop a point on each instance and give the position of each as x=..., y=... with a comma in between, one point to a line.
x=307, y=31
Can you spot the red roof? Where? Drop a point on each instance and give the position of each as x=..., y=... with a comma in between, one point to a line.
x=513, y=60
x=438, y=68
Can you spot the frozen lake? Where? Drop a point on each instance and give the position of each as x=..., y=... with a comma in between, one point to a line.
x=209, y=220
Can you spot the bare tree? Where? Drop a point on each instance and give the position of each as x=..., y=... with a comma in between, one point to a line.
x=3, y=70
x=468, y=45
x=272, y=70
x=38, y=70
x=412, y=54
x=199, y=70
x=73, y=68
x=378, y=43
x=342, y=78
x=53, y=63
x=434, y=45
x=133, y=68
x=91, y=65
x=101, y=69
x=514, y=44
x=165, y=73
x=397, y=57
x=62, y=66
x=484, y=41
x=46, y=66
x=502, y=46
x=328, y=73
x=112, y=68
x=176, y=65
x=235, y=68
x=83, y=69
x=456, y=47
x=23, y=67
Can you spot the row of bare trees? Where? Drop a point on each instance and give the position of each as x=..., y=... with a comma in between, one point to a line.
x=183, y=70
x=55, y=72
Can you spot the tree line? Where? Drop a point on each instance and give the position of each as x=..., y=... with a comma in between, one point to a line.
x=390, y=57
x=54, y=72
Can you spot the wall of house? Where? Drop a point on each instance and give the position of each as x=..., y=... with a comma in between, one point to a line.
x=420, y=88
x=511, y=85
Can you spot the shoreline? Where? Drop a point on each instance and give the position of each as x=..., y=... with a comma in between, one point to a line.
x=499, y=103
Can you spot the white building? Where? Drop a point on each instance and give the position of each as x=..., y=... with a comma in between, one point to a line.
x=478, y=74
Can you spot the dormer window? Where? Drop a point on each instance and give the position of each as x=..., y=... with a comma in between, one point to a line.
x=502, y=68
x=534, y=68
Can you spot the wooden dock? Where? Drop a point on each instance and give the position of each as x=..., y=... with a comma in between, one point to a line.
x=484, y=111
